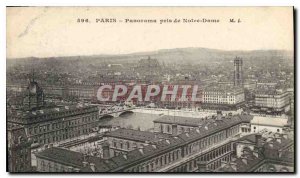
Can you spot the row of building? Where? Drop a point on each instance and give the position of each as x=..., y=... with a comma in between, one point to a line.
x=205, y=145
x=187, y=146
x=215, y=96
x=31, y=122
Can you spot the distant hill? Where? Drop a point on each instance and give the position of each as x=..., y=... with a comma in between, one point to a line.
x=177, y=55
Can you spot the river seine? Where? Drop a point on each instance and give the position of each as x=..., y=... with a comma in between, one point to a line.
x=135, y=120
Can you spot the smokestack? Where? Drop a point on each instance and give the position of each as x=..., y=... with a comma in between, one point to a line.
x=105, y=148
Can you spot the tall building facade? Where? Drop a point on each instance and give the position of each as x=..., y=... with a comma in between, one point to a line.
x=272, y=101
x=238, y=71
x=46, y=123
x=223, y=97
x=18, y=149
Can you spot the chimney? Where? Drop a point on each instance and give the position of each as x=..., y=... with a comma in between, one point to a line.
x=202, y=166
x=155, y=135
x=105, y=148
x=269, y=139
x=223, y=163
x=278, y=139
x=92, y=165
x=168, y=141
x=257, y=138
x=280, y=153
x=271, y=144
x=233, y=165
x=219, y=115
x=76, y=170
x=85, y=164
x=206, y=127
x=244, y=159
x=70, y=169
x=174, y=129
x=124, y=155
x=187, y=134
x=285, y=136
x=141, y=149
x=255, y=153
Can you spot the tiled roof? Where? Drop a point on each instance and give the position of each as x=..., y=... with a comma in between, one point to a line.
x=166, y=145
x=63, y=156
x=75, y=159
x=47, y=114
x=187, y=121
x=147, y=152
x=222, y=88
x=136, y=135
x=268, y=150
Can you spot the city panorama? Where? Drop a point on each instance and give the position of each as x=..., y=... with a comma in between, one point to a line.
x=129, y=97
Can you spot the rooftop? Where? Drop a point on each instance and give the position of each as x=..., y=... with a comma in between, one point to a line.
x=188, y=121
x=270, y=121
x=136, y=135
x=222, y=88
x=46, y=114
x=147, y=152
x=267, y=149
x=75, y=159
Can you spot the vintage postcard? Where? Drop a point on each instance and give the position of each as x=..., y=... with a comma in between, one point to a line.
x=150, y=89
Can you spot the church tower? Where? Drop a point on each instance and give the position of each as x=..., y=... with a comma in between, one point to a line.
x=34, y=96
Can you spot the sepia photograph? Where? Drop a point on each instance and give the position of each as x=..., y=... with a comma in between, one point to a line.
x=150, y=90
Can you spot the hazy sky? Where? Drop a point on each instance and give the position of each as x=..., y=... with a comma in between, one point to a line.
x=54, y=31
